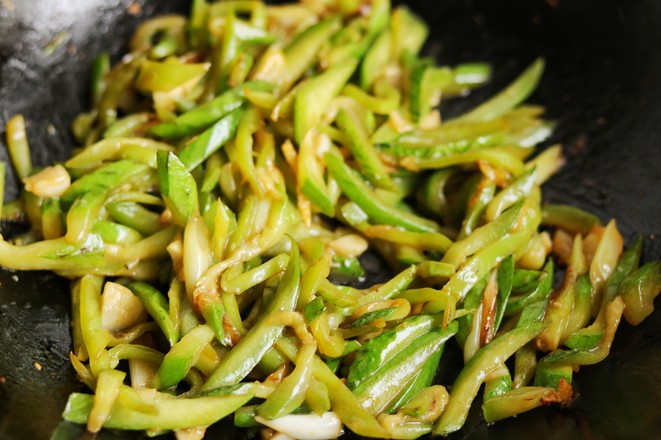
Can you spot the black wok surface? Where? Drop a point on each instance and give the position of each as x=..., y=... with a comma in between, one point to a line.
x=602, y=85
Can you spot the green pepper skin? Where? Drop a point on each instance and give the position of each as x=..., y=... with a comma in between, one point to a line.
x=258, y=340
x=486, y=360
x=354, y=188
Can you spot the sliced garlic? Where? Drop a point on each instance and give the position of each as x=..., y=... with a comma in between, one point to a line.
x=50, y=182
x=120, y=308
x=306, y=426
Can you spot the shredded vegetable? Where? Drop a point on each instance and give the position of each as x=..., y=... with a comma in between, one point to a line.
x=238, y=163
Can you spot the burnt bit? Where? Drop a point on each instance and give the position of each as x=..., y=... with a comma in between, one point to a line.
x=134, y=9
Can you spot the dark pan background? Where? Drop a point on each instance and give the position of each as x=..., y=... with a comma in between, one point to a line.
x=602, y=85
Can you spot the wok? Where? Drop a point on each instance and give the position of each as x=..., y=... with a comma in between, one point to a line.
x=601, y=85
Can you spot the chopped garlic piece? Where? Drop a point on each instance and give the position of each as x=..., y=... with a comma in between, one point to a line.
x=120, y=308
x=306, y=426
x=348, y=246
x=49, y=182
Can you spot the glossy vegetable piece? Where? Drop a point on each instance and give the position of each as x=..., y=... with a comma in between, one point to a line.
x=104, y=179
x=157, y=307
x=17, y=144
x=182, y=357
x=538, y=293
x=315, y=94
x=171, y=413
x=356, y=190
x=639, y=290
x=401, y=369
x=201, y=117
x=177, y=187
x=259, y=339
x=343, y=402
x=301, y=52
x=421, y=382
x=486, y=360
x=377, y=351
x=213, y=138
x=569, y=218
x=482, y=236
x=509, y=98
x=363, y=151
x=290, y=393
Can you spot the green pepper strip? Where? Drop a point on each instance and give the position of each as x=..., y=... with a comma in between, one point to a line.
x=258, y=340
x=157, y=307
x=639, y=289
x=112, y=233
x=488, y=359
x=317, y=397
x=182, y=357
x=304, y=49
x=107, y=389
x=509, y=98
x=433, y=241
x=17, y=144
x=422, y=381
x=334, y=295
x=580, y=313
x=315, y=95
x=479, y=265
x=590, y=335
x=138, y=149
x=127, y=126
x=612, y=316
x=243, y=148
x=382, y=388
x=106, y=178
x=515, y=402
x=379, y=350
x=392, y=287
x=476, y=205
x=82, y=215
x=311, y=280
x=290, y=393
x=505, y=273
x=515, y=191
x=496, y=156
x=569, y=218
x=381, y=105
x=171, y=413
x=356, y=190
x=177, y=187
x=95, y=337
x=435, y=269
x=310, y=177
x=343, y=402
x=409, y=32
x=151, y=247
x=540, y=292
x=363, y=150
x=100, y=67
x=279, y=220
x=201, y=117
x=482, y=236
x=376, y=59
x=135, y=216
x=525, y=362
x=213, y=138
x=58, y=255
x=251, y=278
x=550, y=375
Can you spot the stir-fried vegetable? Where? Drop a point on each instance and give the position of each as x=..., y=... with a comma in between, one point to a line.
x=237, y=164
